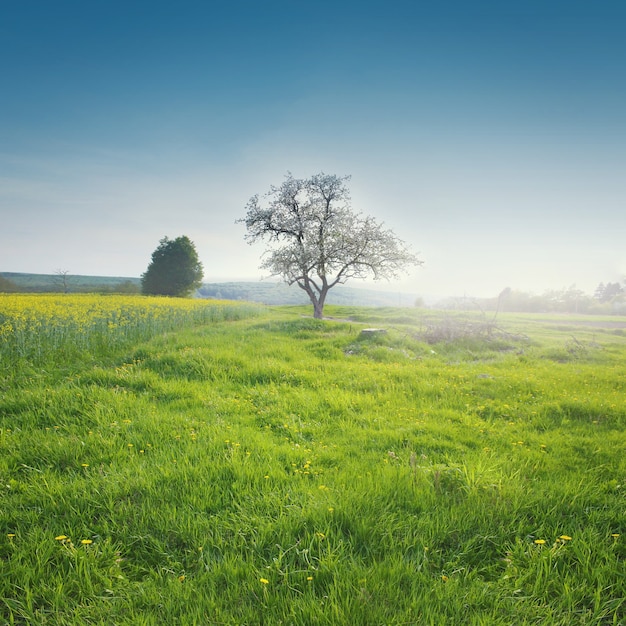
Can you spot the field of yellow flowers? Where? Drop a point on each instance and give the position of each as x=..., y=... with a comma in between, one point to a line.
x=44, y=327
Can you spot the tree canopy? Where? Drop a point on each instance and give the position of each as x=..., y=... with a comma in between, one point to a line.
x=317, y=241
x=175, y=269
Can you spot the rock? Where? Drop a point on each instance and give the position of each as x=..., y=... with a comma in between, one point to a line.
x=370, y=332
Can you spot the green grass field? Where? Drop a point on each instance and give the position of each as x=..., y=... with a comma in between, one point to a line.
x=283, y=470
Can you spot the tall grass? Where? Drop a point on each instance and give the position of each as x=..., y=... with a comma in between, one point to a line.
x=285, y=470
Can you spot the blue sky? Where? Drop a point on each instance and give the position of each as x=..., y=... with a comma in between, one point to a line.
x=491, y=136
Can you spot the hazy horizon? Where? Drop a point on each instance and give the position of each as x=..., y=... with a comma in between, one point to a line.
x=491, y=138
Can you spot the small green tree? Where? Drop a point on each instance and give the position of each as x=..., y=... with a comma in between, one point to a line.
x=175, y=269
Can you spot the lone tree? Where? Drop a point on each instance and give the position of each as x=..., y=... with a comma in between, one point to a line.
x=174, y=270
x=317, y=241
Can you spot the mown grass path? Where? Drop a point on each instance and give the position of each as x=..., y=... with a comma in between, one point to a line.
x=283, y=470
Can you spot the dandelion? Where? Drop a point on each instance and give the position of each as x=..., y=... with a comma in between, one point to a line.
x=444, y=578
x=181, y=578
x=84, y=464
x=309, y=578
x=540, y=542
x=61, y=538
x=615, y=535
x=565, y=538
x=264, y=581
x=86, y=542
x=10, y=535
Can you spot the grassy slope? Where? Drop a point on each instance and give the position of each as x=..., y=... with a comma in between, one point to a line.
x=284, y=470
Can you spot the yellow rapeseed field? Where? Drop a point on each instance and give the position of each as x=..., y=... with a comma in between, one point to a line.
x=35, y=325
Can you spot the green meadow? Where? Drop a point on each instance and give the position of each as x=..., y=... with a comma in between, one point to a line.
x=270, y=468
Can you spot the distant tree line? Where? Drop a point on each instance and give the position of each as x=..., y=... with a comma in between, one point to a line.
x=607, y=299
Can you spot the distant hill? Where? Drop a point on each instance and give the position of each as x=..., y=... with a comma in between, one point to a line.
x=72, y=283
x=265, y=292
x=281, y=293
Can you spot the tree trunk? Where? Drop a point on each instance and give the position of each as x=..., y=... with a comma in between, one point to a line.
x=318, y=310
x=317, y=300
x=318, y=304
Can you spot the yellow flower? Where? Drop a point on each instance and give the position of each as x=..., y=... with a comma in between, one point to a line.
x=444, y=578
x=565, y=538
x=61, y=538
x=309, y=577
x=10, y=535
x=86, y=542
x=540, y=542
x=264, y=581
x=615, y=535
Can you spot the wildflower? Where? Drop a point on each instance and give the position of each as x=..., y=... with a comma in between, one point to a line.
x=264, y=581
x=61, y=538
x=86, y=542
x=615, y=535
x=444, y=578
x=84, y=464
x=10, y=535
x=540, y=542
x=565, y=538
x=309, y=578
x=181, y=578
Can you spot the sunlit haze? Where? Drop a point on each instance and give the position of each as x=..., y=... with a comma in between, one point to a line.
x=490, y=136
